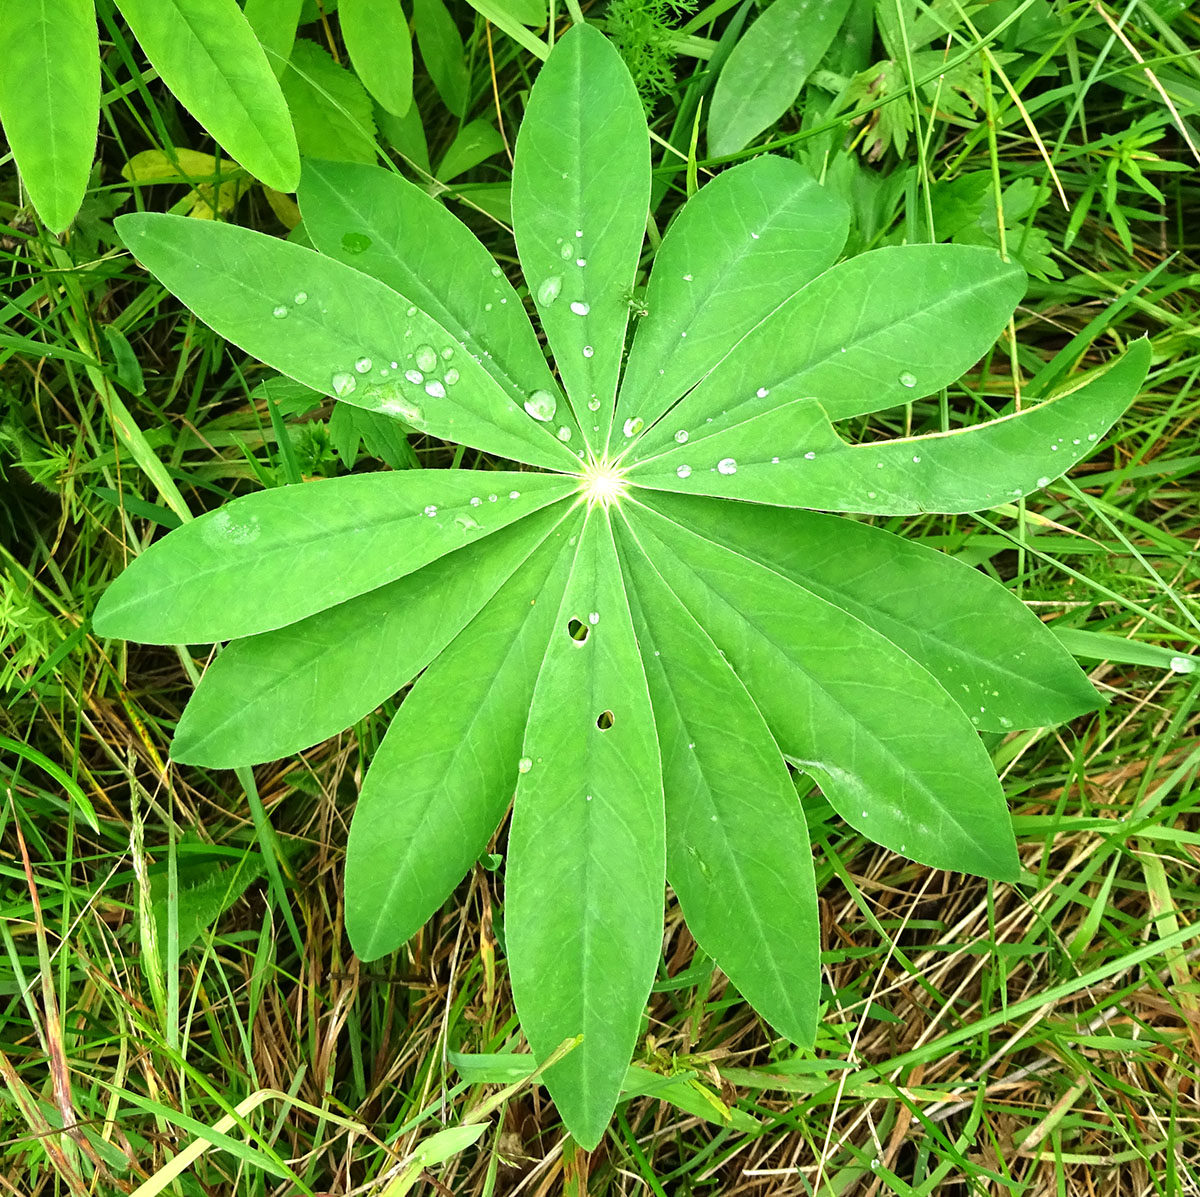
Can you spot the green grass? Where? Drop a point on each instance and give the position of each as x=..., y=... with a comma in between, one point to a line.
x=1038, y=1039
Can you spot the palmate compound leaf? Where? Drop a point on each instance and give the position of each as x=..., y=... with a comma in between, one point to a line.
x=635, y=664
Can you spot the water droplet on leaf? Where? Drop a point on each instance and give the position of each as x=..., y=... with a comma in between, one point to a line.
x=343, y=384
x=580, y=309
x=726, y=466
x=541, y=405
x=907, y=379
x=550, y=289
x=426, y=358
x=633, y=425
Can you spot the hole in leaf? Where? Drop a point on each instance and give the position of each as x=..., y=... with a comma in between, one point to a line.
x=604, y=720
x=578, y=630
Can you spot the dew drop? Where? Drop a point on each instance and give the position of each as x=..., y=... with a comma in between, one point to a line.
x=588, y=351
x=279, y=311
x=762, y=392
x=343, y=384
x=491, y=498
x=363, y=365
x=809, y=456
x=541, y=405
x=1183, y=664
x=435, y=390
x=564, y=434
x=475, y=500
x=549, y=290
x=579, y=232
x=466, y=523
x=580, y=309
x=726, y=466
x=683, y=471
x=412, y=310
x=355, y=243
x=593, y=404
x=916, y=461
x=300, y=297
x=681, y=437
x=633, y=426
x=594, y=618
x=431, y=511
x=426, y=358
x=524, y=765
x=451, y=376
x=414, y=376
x=566, y=252
x=687, y=278
x=497, y=272
x=1043, y=482
x=908, y=380
x=581, y=261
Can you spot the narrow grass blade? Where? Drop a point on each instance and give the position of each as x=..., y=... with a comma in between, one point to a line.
x=878, y=330
x=50, y=100
x=893, y=753
x=994, y=657
x=740, y=247
x=791, y=457
x=385, y=226
x=587, y=829
x=278, y=556
x=380, y=47
x=339, y=331
x=279, y=692
x=767, y=68
x=580, y=196
x=738, y=852
x=208, y=56
x=445, y=772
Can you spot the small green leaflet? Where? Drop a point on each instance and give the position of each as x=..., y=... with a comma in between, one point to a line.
x=635, y=634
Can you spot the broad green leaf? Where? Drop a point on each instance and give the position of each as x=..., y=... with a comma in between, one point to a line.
x=208, y=56
x=893, y=753
x=585, y=874
x=474, y=144
x=581, y=191
x=274, y=23
x=996, y=659
x=279, y=692
x=380, y=223
x=446, y=770
x=792, y=457
x=337, y=330
x=767, y=68
x=741, y=246
x=278, y=556
x=50, y=100
x=442, y=49
x=330, y=107
x=738, y=851
x=380, y=47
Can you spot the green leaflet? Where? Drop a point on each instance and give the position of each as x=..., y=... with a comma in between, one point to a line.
x=580, y=196
x=585, y=874
x=415, y=246
x=739, y=248
x=791, y=456
x=638, y=665
x=50, y=100
x=442, y=49
x=331, y=109
x=380, y=48
x=208, y=56
x=894, y=755
x=998, y=661
x=274, y=23
x=767, y=68
x=331, y=328
x=279, y=692
x=445, y=772
x=308, y=547
x=738, y=854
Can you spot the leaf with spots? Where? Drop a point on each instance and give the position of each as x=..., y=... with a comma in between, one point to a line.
x=631, y=635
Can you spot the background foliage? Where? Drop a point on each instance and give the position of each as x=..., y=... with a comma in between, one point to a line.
x=174, y=959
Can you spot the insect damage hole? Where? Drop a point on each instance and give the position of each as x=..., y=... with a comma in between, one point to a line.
x=578, y=630
x=604, y=720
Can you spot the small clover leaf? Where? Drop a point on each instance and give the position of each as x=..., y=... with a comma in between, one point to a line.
x=606, y=633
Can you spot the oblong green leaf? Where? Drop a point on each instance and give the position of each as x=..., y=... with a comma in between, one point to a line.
x=274, y=23
x=767, y=68
x=415, y=246
x=580, y=196
x=208, y=56
x=445, y=772
x=50, y=100
x=992, y=655
x=380, y=47
x=442, y=49
x=278, y=556
x=793, y=458
x=875, y=331
x=587, y=829
x=270, y=695
x=894, y=754
x=738, y=851
x=339, y=331
x=741, y=246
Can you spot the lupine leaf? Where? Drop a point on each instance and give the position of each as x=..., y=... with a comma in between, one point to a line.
x=380, y=47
